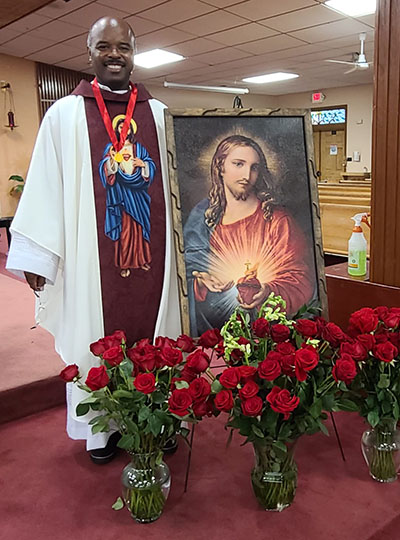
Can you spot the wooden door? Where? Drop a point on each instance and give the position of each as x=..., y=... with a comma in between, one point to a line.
x=332, y=155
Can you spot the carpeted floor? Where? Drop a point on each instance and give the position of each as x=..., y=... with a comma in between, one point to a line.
x=50, y=490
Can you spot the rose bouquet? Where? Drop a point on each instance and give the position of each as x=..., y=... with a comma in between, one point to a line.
x=374, y=345
x=146, y=392
x=281, y=377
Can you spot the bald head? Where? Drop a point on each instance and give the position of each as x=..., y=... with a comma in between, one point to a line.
x=111, y=44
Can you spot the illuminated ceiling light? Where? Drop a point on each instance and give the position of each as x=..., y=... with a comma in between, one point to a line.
x=156, y=57
x=270, y=77
x=353, y=8
x=223, y=89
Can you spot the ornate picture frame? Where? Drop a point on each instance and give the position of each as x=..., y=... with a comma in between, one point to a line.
x=240, y=235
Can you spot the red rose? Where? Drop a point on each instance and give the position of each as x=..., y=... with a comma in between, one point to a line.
x=224, y=400
x=145, y=383
x=144, y=355
x=386, y=351
x=198, y=361
x=252, y=406
x=381, y=311
x=367, y=341
x=199, y=389
x=270, y=368
x=392, y=319
x=305, y=359
x=180, y=401
x=210, y=338
x=306, y=328
x=98, y=347
x=185, y=343
x=246, y=372
x=115, y=339
x=188, y=374
x=220, y=349
x=345, y=369
x=364, y=320
x=69, y=373
x=170, y=356
x=97, y=378
x=237, y=354
x=230, y=377
x=286, y=350
x=202, y=408
x=279, y=333
x=260, y=327
x=113, y=356
x=282, y=402
x=381, y=335
x=321, y=323
x=162, y=341
x=394, y=337
x=249, y=390
x=333, y=334
x=355, y=349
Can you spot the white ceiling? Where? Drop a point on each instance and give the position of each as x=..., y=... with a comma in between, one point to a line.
x=223, y=40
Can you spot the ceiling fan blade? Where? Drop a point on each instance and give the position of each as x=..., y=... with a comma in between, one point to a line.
x=340, y=62
x=351, y=70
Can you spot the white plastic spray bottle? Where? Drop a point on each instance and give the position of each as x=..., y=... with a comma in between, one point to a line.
x=357, y=260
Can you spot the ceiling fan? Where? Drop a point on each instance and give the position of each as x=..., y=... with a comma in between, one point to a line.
x=359, y=59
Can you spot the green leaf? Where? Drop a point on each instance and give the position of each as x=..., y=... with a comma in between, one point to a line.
x=257, y=431
x=316, y=408
x=98, y=428
x=280, y=449
x=384, y=381
x=322, y=427
x=120, y=393
x=82, y=409
x=119, y=503
x=144, y=413
x=328, y=402
x=373, y=418
x=216, y=386
x=396, y=411
x=90, y=399
x=158, y=397
x=181, y=384
x=155, y=424
x=127, y=442
x=347, y=405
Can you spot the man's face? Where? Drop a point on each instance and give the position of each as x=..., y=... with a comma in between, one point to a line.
x=111, y=51
x=240, y=171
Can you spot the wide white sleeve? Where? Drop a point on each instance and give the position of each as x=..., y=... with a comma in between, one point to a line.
x=25, y=255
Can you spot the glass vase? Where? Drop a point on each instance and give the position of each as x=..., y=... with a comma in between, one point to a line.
x=381, y=449
x=274, y=477
x=146, y=482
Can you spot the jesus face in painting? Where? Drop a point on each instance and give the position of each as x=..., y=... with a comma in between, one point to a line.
x=240, y=171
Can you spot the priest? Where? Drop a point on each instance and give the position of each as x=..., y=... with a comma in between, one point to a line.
x=93, y=231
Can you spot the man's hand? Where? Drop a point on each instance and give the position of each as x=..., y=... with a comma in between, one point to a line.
x=212, y=283
x=35, y=282
x=258, y=298
x=137, y=162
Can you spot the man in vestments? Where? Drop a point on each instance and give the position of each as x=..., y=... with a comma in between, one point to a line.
x=240, y=245
x=60, y=238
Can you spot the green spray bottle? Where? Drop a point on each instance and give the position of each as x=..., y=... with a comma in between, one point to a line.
x=357, y=258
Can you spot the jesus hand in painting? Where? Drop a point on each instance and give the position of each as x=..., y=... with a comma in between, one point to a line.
x=211, y=283
x=257, y=300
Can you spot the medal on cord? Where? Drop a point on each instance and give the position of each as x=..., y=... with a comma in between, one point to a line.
x=117, y=145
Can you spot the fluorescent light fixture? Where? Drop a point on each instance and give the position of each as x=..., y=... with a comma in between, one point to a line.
x=353, y=8
x=156, y=57
x=223, y=89
x=271, y=77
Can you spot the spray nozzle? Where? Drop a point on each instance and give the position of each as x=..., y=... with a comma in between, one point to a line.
x=361, y=218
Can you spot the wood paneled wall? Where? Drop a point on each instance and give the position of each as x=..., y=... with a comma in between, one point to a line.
x=385, y=239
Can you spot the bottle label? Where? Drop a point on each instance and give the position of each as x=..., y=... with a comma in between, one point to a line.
x=357, y=262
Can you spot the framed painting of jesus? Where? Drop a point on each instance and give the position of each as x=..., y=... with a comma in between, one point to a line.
x=245, y=212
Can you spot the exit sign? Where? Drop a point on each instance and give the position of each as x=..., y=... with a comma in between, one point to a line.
x=317, y=97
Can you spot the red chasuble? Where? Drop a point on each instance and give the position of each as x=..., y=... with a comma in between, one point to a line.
x=130, y=213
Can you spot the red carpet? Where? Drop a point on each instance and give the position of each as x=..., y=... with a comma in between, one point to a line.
x=50, y=490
